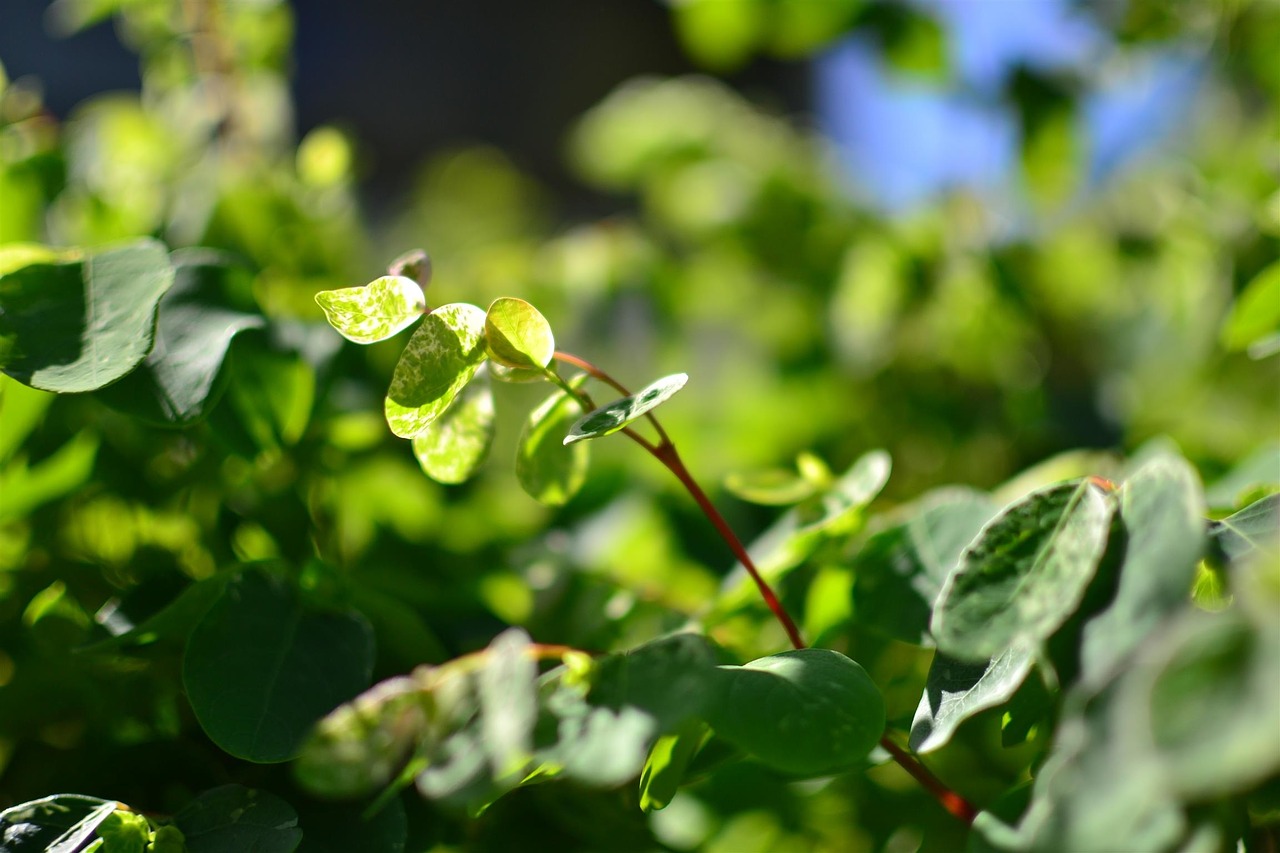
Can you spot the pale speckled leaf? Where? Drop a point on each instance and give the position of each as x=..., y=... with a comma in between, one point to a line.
x=1026, y=572
x=440, y=359
x=374, y=312
x=609, y=419
x=518, y=335
x=457, y=443
x=547, y=470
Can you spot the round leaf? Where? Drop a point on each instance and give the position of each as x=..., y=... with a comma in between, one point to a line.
x=260, y=669
x=232, y=819
x=440, y=359
x=1025, y=574
x=518, y=335
x=455, y=444
x=374, y=312
x=609, y=419
x=547, y=470
x=79, y=324
x=808, y=711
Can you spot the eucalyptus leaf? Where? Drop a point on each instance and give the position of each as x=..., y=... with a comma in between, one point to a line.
x=609, y=419
x=518, y=335
x=807, y=711
x=375, y=312
x=1025, y=574
x=261, y=668
x=956, y=691
x=78, y=324
x=440, y=359
x=548, y=471
x=455, y=444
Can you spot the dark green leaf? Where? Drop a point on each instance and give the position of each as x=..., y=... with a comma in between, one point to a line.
x=375, y=312
x=260, y=669
x=547, y=470
x=1162, y=509
x=439, y=360
x=671, y=679
x=77, y=325
x=518, y=335
x=807, y=711
x=175, y=383
x=455, y=444
x=235, y=819
x=609, y=419
x=956, y=691
x=1025, y=574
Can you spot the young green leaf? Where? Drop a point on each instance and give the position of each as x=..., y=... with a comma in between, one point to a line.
x=806, y=711
x=607, y=420
x=667, y=764
x=518, y=335
x=549, y=472
x=260, y=668
x=1025, y=574
x=440, y=359
x=78, y=324
x=456, y=444
x=374, y=312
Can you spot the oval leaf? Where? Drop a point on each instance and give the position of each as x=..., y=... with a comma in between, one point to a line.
x=547, y=470
x=374, y=312
x=1025, y=574
x=807, y=711
x=456, y=443
x=232, y=818
x=956, y=691
x=260, y=669
x=77, y=325
x=607, y=420
x=518, y=335
x=440, y=359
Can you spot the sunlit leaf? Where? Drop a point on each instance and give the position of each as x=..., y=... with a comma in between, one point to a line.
x=124, y=832
x=518, y=335
x=806, y=711
x=547, y=470
x=1254, y=321
x=607, y=420
x=667, y=764
x=455, y=444
x=956, y=691
x=375, y=312
x=63, y=822
x=1025, y=574
x=1162, y=508
x=59, y=474
x=439, y=360
x=79, y=324
x=508, y=703
x=234, y=819
x=261, y=668
x=175, y=382
x=772, y=487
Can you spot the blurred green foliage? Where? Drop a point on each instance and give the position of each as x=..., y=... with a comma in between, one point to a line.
x=1143, y=312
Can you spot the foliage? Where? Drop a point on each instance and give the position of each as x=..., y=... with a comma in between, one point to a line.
x=235, y=615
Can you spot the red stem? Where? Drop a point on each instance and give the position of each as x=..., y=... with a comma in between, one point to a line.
x=665, y=452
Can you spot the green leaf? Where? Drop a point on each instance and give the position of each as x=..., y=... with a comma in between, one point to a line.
x=15, y=256
x=270, y=394
x=549, y=472
x=603, y=747
x=1253, y=529
x=771, y=487
x=62, y=823
x=516, y=375
x=806, y=711
x=508, y=704
x=124, y=832
x=175, y=383
x=77, y=325
x=1254, y=320
x=518, y=335
x=607, y=420
x=455, y=444
x=375, y=312
x=1025, y=574
x=667, y=764
x=899, y=572
x=235, y=819
x=440, y=359
x=175, y=619
x=1162, y=508
x=670, y=679
x=260, y=668
x=22, y=409
x=59, y=474
x=1256, y=473
x=956, y=691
